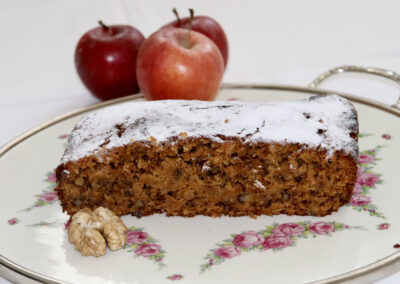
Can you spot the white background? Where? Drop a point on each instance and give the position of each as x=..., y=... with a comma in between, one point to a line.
x=280, y=42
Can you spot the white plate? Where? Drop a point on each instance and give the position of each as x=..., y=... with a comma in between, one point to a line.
x=33, y=240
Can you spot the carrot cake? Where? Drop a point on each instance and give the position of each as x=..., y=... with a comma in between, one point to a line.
x=187, y=158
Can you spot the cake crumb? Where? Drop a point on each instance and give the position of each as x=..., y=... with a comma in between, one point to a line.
x=183, y=134
x=205, y=167
x=258, y=184
x=226, y=120
x=153, y=139
x=396, y=246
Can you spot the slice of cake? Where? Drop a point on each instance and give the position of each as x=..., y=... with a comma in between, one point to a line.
x=212, y=158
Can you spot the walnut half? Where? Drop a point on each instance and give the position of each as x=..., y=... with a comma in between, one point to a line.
x=84, y=234
x=112, y=227
x=89, y=230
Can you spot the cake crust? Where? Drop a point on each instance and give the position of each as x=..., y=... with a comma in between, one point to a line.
x=204, y=165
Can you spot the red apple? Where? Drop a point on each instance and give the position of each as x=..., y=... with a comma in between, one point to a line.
x=175, y=63
x=105, y=59
x=207, y=26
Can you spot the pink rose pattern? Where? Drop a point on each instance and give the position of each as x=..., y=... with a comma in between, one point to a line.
x=383, y=226
x=289, y=229
x=277, y=241
x=248, y=239
x=13, y=221
x=359, y=200
x=365, y=159
x=142, y=244
x=66, y=224
x=321, y=228
x=147, y=249
x=175, y=277
x=136, y=237
x=227, y=252
x=357, y=188
x=48, y=196
x=366, y=180
x=51, y=177
x=275, y=237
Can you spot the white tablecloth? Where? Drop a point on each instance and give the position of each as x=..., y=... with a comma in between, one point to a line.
x=288, y=42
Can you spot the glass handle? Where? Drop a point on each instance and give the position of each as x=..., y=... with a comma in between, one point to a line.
x=357, y=69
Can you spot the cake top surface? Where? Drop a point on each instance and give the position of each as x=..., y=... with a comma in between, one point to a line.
x=324, y=122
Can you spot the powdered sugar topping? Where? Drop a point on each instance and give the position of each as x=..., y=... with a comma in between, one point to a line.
x=206, y=167
x=324, y=122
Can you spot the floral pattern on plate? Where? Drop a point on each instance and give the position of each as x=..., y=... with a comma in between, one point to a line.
x=275, y=237
x=362, y=135
x=367, y=179
x=48, y=195
x=383, y=226
x=142, y=244
x=175, y=277
x=13, y=221
x=44, y=224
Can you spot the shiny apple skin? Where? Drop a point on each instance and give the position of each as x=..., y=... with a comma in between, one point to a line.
x=210, y=28
x=106, y=60
x=168, y=70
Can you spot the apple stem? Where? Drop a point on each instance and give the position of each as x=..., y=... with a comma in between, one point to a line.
x=191, y=11
x=104, y=26
x=177, y=16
